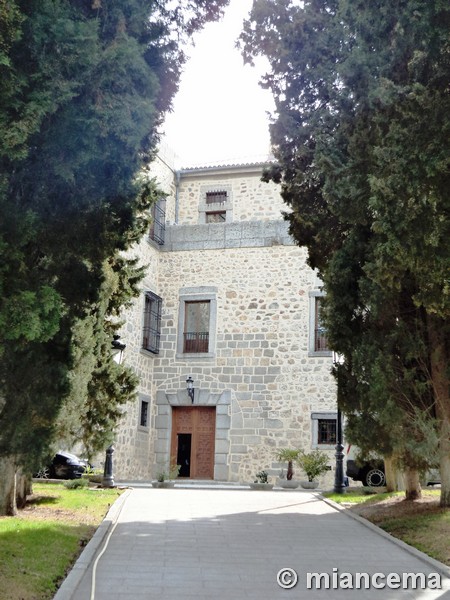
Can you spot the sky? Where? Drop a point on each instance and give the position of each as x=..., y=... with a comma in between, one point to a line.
x=220, y=111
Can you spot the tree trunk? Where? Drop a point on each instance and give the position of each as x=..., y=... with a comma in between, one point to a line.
x=8, y=505
x=395, y=479
x=290, y=471
x=412, y=483
x=439, y=358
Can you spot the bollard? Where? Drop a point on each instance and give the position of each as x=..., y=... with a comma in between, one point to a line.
x=108, y=478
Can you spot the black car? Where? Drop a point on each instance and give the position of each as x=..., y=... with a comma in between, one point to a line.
x=63, y=466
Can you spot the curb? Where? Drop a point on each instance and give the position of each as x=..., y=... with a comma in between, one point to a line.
x=85, y=560
x=436, y=564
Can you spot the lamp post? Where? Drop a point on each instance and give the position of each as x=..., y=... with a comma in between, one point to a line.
x=108, y=477
x=190, y=388
x=339, y=480
x=117, y=349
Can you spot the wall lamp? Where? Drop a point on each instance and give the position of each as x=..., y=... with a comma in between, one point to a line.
x=117, y=349
x=190, y=388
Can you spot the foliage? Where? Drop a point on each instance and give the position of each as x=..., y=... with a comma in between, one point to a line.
x=84, y=90
x=313, y=463
x=262, y=477
x=290, y=456
x=171, y=473
x=361, y=135
x=61, y=521
x=75, y=484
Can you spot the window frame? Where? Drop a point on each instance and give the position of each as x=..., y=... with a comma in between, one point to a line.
x=315, y=418
x=215, y=212
x=197, y=294
x=207, y=206
x=148, y=323
x=144, y=400
x=314, y=300
x=157, y=226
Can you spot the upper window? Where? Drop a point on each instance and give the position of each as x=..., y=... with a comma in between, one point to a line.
x=218, y=197
x=197, y=321
x=320, y=334
x=157, y=226
x=215, y=204
x=196, y=326
x=318, y=342
x=152, y=322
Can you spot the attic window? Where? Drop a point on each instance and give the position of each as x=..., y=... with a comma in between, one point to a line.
x=218, y=197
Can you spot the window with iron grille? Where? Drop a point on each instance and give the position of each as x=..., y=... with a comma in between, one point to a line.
x=326, y=431
x=196, y=326
x=157, y=228
x=218, y=197
x=218, y=216
x=144, y=414
x=152, y=322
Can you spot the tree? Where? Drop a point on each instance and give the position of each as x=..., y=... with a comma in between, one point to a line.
x=361, y=135
x=84, y=88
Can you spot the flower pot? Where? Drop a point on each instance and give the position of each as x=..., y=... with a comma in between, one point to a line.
x=309, y=485
x=163, y=484
x=289, y=484
x=261, y=486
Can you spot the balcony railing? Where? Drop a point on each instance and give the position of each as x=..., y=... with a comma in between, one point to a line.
x=320, y=340
x=196, y=342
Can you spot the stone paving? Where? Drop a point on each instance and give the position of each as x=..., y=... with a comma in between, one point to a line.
x=230, y=544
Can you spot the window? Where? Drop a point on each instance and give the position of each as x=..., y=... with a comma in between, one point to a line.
x=218, y=197
x=196, y=326
x=215, y=204
x=157, y=226
x=318, y=343
x=197, y=322
x=143, y=420
x=218, y=216
x=324, y=429
x=152, y=322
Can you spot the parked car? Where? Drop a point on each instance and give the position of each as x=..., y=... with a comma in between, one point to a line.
x=372, y=473
x=64, y=465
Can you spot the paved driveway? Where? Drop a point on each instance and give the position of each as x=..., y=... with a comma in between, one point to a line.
x=231, y=544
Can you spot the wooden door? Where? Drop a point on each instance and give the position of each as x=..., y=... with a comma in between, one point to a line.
x=200, y=423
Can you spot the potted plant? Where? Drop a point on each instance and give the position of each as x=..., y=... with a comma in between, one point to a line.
x=290, y=456
x=164, y=479
x=261, y=482
x=313, y=464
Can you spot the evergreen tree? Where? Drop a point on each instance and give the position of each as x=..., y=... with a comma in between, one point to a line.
x=362, y=138
x=85, y=85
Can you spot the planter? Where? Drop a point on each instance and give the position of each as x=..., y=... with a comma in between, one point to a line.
x=261, y=486
x=163, y=484
x=288, y=484
x=309, y=485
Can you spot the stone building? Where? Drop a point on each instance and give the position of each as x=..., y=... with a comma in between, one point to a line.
x=229, y=302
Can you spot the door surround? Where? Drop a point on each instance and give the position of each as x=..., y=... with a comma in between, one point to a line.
x=163, y=426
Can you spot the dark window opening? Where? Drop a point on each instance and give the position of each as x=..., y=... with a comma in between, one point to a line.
x=218, y=216
x=152, y=322
x=144, y=414
x=326, y=431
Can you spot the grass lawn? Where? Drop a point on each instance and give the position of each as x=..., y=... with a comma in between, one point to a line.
x=40, y=544
x=422, y=523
